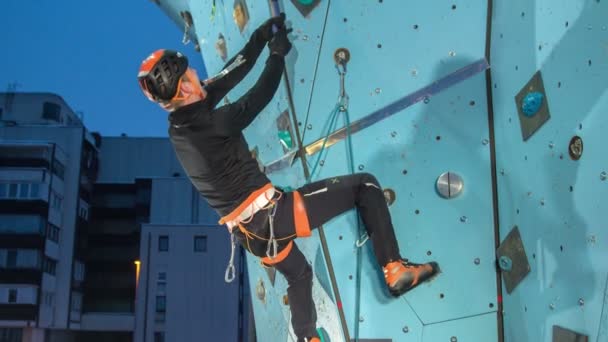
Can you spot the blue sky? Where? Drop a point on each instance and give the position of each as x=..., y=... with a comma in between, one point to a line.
x=88, y=52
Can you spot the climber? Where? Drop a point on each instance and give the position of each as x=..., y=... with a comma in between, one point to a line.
x=265, y=219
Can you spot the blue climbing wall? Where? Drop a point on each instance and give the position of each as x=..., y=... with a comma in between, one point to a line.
x=558, y=203
x=421, y=67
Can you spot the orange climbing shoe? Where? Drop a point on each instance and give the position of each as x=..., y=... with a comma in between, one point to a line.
x=402, y=275
x=324, y=337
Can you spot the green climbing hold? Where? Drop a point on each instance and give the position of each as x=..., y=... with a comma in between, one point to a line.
x=306, y=2
x=285, y=138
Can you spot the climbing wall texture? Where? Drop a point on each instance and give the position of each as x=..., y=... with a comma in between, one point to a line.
x=517, y=197
x=556, y=201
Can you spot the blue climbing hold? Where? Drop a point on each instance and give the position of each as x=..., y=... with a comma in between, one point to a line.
x=532, y=103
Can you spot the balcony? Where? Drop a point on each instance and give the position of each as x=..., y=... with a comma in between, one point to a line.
x=18, y=312
x=25, y=155
x=107, y=321
x=20, y=276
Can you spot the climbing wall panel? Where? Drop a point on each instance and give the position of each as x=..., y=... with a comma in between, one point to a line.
x=546, y=187
x=407, y=152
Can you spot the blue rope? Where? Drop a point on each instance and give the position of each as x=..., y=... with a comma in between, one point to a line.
x=331, y=127
x=359, y=254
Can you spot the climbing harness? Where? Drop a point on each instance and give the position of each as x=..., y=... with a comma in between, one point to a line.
x=253, y=208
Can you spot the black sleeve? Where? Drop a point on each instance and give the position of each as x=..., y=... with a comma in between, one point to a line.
x=233, y=118
x=250, y=52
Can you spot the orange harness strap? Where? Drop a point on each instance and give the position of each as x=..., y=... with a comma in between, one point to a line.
x=300, y=216
x=247, y=202
x=280, y=256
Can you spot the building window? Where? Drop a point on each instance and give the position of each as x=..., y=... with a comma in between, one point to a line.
x=48, y=298
x=56, y=201
x=200, y=243
x=162, y=276
x=24, y=190
x=76, y=301
x=163, y=243
x=1, y=110
x=79, y=269
x=3, y=188
x=51, y=111
x=34, y=190
x=12, y=296
x=12, y=190
x=58, y=168
x=52, y=232
x=161, y=307
x=11, y=259
x=159, y=336
x=11, y=334
x=161, y=287
x=49, y=266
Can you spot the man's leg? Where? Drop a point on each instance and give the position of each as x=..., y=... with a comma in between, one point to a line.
x=331, y=197
x=297, y=271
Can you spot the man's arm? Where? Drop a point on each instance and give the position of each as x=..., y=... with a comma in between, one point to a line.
x=250, y=52
x=233, y=118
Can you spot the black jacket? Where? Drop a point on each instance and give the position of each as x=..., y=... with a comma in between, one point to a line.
x=209, y=142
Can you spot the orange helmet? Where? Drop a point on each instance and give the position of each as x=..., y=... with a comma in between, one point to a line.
x=160, y=74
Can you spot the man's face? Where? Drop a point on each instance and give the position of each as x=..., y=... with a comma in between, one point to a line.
x=190, y=90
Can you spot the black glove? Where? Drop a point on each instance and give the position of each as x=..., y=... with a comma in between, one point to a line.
x=266, y=29
x=280, y=45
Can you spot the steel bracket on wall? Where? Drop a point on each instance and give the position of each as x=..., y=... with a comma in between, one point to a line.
x=512, y=260
x=532, y=106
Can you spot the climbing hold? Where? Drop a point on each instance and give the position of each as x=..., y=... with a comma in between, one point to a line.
x=603, y=175
x=389, y=196
x=406, y=329
x=240, y=14
x=505, y=263
x=532, y=103
x=477, y=261
x=576, y=148
x=260, y=291
x=220, y=47
x=285, y=138
x=305, y=7
x=532, y=106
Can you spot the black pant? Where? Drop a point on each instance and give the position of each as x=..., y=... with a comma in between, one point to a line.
x=324, y=200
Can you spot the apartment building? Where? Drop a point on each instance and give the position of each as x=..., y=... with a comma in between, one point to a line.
x=104, y=238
